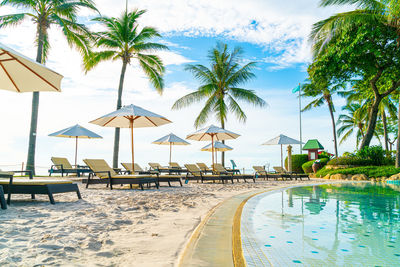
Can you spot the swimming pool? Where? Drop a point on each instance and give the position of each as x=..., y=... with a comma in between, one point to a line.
x=346, y=224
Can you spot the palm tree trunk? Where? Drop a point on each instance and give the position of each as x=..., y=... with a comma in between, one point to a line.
x=398, y=139
x=373, y=115
x=30, y=162
x=385, y=132
x=223, y=141
x=329, y=100
x=119, y=105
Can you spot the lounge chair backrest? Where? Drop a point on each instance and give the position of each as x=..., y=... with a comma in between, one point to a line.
x=155, y=166
x=203, y=166
x=219, y=168
x=100, y=165
x=128, y=167
x=233, y=164
x=193, y=169
x=61, y=161
x=260, y=170
x=279, y=170
x=175, y=165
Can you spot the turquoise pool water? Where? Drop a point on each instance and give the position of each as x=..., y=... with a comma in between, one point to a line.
x=348, y=224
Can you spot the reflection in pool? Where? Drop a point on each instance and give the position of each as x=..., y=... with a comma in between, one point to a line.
x=347, y=224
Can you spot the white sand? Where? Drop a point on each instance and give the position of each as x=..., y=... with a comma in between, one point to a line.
x=122, y=227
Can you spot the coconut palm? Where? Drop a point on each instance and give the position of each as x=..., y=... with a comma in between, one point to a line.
x=322, y=94
x=44, y=14
x=353, y=121
x=384, y=13
x=123, y=40
x=219, y=86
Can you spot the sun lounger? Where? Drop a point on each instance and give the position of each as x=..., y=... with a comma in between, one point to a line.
x=195, y=173
x=62, y=165
x=16, y=185
x=161, y=178
x=290, y=175
x=234, y=167
x=157, y=167
x=174, y=167
x=108, y=176
x=204, y=168
x=219, y=169
x=260, y=172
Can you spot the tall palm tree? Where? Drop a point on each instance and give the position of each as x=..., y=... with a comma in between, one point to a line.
x=219, y=86
x=44, y=14
x=123, y=40
x=322, y=94
x=385, y=13
x=354, y=120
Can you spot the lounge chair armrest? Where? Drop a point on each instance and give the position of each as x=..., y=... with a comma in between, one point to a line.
x=108, y=172
x=56, y=166
x=82, y=167
x=28, y=172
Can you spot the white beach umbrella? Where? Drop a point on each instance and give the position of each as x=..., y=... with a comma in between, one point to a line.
x=76, y=132
x=20, y=74
x=282, y=140
x=218, y=147
x=171, y=140
x=212, y=133
x=131, y=117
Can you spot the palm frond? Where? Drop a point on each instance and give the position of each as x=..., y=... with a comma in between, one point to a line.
x=247, y=95
x=205, y=112
x=12, y=20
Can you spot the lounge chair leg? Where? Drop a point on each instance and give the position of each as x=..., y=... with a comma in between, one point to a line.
x=130, y=185
x=51, y=197
x=180, y=182
x=79, y=194
x=2, y=200
x=32, y=196
x=141, y=186
x=232, y=181
x=169, y=183
x=157, y=185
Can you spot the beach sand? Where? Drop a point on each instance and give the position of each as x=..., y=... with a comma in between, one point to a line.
x=122, y=227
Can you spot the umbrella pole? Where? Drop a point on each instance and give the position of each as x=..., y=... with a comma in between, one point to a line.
x=212, y=150
x=76, y=150
x=281, y=156
x=133, y=157
x=170, y=152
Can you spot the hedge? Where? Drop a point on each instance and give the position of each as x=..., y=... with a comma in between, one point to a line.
x=370, y=171
x=297, y=161
x=307, y=167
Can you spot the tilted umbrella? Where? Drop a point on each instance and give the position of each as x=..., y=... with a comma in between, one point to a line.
x=212, y=133
x=282, y=140
x=171, y=140
x=76, y=132
x=20, y=74
x=218, y=146
x=131, y=117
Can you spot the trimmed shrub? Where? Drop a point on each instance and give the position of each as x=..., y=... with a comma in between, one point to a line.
x=370, y=171
x=352, y=161
x=307, y=167
x=324, y=154
x=375, y=154
x=297, y=161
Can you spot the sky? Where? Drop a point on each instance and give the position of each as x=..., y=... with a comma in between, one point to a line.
x=273, y=33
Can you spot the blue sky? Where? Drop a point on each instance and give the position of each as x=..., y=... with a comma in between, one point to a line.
x=273, y=33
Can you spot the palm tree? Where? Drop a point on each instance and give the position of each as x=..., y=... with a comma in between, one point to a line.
x=354, y=120
x=219, y=86
x=322, y=94
x=45, y=13
x=122, y=40
x=385, y=13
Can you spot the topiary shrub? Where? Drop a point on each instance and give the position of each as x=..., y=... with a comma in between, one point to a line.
x=307, y=167
x=297, y=161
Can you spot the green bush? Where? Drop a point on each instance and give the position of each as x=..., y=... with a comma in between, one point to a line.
x=307, y=167
x=323, y=155
x=375, y=154
x=368, y=156
x=370, y=171
x=353, y=161
x=297, y=161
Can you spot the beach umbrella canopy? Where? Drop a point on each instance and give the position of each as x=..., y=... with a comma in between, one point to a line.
x=131, y=117
x=21, y=74
x=76, y=132
x=212, y=133
x=218, y=146
x=282, y=140
x=171, y=140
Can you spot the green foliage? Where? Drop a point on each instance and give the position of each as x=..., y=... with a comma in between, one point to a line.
x=370, y=171
x=297, y=161
x=374, y=154
x=323, y=155
x=350, y=161
x=220, y=86
x=307, y=167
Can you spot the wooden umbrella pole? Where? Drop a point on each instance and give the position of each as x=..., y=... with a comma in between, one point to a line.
x=212, y=150
x=133, y=157
x=76, y=151
x=170, y=149
x=281, y=157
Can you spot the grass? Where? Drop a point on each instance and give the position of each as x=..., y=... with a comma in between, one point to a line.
x=370, y=171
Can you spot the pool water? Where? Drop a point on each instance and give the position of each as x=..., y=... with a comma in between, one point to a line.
x=347, y=224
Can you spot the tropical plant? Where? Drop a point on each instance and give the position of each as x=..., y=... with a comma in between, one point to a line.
x=354, y=120
x=322, y=94
x=219, y=86
x=44, y=14
x=385, y=15
x=123, y=40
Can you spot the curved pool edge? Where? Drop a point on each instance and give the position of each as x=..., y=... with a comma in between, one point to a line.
x=216, y=241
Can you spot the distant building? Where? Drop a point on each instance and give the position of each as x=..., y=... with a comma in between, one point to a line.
x=313, y=147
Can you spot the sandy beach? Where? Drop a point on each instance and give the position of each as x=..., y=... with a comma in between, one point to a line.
x=122, y=227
